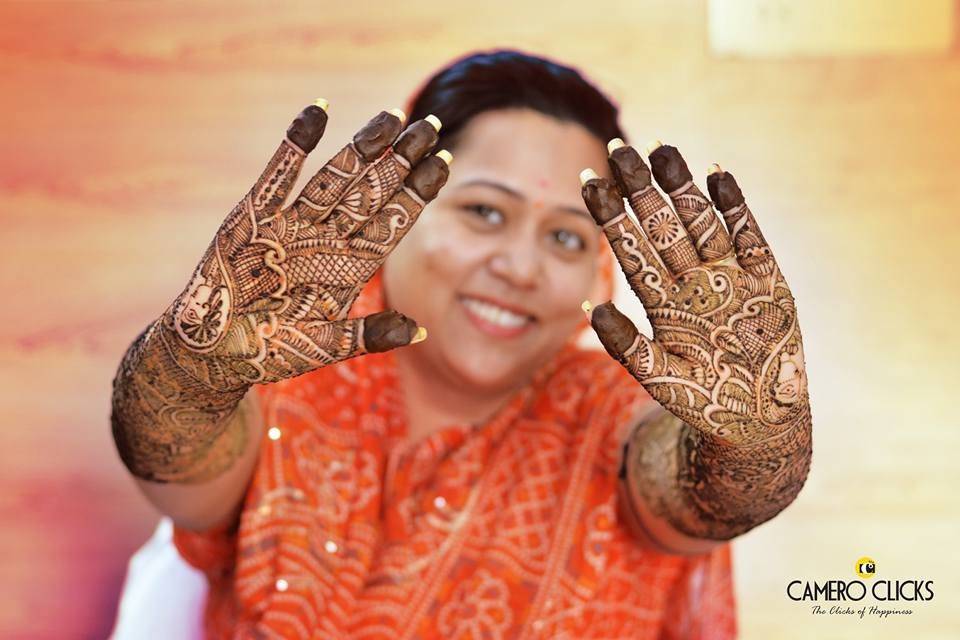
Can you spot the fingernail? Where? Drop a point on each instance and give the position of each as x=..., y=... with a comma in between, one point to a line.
x=714, y=168
x=653, y=146
x=420, y=335
x=615, y=144
x=587, y=308
x=445, y=155
x=434, y=121
x=323, y=103
x=399, y=113
x=587, y=175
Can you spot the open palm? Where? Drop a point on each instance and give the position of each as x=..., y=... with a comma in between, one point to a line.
x=726, y=355
x=270, y=297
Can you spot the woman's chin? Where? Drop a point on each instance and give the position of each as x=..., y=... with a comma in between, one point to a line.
x=487, y=370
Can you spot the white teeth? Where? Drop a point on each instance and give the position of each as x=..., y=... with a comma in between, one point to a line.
x=495, y=314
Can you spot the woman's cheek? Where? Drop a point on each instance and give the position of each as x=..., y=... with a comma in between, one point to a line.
x=570, y=283
x=451, y=252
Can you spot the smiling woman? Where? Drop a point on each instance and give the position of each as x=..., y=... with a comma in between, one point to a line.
x=498, y=267
x=464, y=484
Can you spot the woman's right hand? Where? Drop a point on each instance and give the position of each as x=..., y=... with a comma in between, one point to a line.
x=270, y=297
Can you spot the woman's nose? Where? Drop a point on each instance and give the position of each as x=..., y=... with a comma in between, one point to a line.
x=518, y=262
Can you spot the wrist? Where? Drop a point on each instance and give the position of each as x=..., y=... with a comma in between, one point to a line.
x=709, y=486
x=736, y=484
x=164, y=416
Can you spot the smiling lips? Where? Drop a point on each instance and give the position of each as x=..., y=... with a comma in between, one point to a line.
x=496, y=320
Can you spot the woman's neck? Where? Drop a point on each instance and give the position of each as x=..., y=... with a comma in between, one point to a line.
x=434, y=401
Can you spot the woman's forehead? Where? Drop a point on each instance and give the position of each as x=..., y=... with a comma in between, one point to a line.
x=506, y=133
x=526, y=151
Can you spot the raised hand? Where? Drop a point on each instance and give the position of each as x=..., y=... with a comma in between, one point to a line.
x=270, y=297
x=726, y=355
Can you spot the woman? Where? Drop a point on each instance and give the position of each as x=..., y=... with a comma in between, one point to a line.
x=475, y=483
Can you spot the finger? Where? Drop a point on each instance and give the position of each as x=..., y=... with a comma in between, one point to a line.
x=307, y=345
x=694, y=210
x=395, y=219
x=644, y=271
x=660, y=224
x=378, y=184
x=327, y=186
x=281, y=172
x=753, y=252
x=644, y=358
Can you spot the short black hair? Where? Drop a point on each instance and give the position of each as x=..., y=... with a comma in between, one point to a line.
x=506, y=78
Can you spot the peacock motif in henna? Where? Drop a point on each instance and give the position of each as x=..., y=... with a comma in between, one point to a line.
x=270, y=297
x=726, y=357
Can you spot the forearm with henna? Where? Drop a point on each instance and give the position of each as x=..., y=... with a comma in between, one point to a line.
x=270, y=297
x=707, y=488
x=733, y=447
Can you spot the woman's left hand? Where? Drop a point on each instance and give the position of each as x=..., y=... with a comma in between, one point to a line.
x=726, y=355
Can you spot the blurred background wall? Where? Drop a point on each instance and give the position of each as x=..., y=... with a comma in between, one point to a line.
x=130, y=129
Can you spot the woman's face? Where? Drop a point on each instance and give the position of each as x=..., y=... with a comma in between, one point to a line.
x=497, y=266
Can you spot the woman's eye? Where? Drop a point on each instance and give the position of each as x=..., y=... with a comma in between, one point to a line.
x=569, y=240
x=489, y=214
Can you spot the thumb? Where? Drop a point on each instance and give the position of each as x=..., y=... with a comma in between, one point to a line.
x=305, y=345
x=640, y=355
x=339, y=340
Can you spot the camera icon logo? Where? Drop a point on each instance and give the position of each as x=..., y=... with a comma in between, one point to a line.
x=865, y=567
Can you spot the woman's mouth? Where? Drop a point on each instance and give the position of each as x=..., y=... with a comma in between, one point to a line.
x=494, y=319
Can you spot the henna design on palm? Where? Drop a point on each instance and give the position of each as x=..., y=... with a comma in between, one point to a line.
x=270, y=297
x=726, y=356
x=268, y=300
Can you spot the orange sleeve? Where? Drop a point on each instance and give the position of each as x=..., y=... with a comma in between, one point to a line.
x=212, y=551
x=702, y=605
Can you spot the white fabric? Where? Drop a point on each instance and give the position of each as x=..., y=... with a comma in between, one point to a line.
x=163, y=597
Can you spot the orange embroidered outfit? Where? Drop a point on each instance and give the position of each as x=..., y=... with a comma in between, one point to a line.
x=509, y=529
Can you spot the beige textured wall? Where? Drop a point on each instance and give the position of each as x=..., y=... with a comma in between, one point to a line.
x=129, y=130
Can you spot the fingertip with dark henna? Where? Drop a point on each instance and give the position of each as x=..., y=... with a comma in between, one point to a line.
x=416, y=141
x=615, y=330
x=428, y=177
x=669, y=168
x=307, y=128
x=603, y=200
x=387, y=330
x=724, y=190
x=378, y=134
x=629, y=169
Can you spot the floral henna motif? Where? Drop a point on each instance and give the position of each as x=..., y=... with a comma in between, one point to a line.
x=726, y=358
x=201, y=315
x=270, y=297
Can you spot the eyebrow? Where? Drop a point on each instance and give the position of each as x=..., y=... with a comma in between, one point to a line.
x=513, y=193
